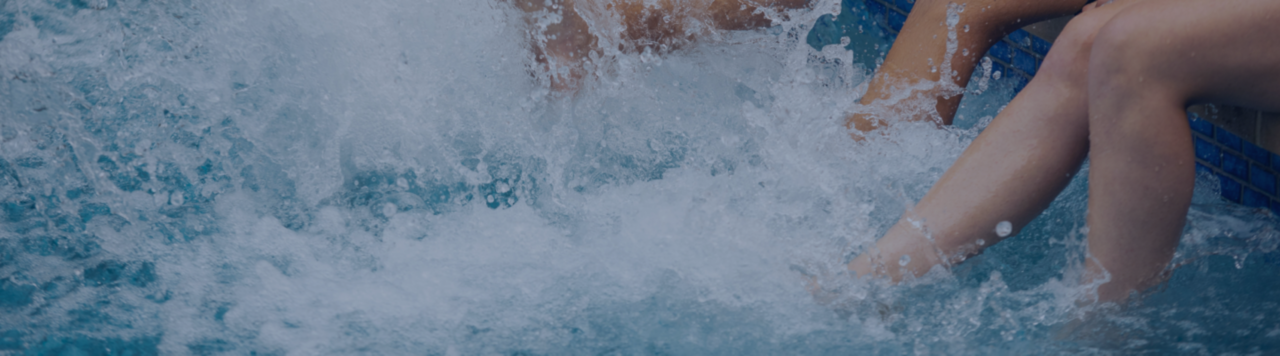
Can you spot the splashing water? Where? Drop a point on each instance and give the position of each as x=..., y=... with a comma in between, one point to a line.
x=299, y=177
x=1003, y=229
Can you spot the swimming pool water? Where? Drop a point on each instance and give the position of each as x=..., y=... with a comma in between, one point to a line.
x=391, y=177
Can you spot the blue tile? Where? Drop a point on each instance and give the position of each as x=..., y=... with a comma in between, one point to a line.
x=904, y=5
x=1022, y=38
x=1275, y=207
x=1255, y=153
x=1208, y=153
x=1263, y=179
x=1024, y=61
x=896, y=20
x=997, y=67
x=825, y=32
x=1040, y=46
x=1235, y=165
x=1200, y=125
x=1253, y=198
x=1001, y=51
x=877, y=9
x=1230, y=188
x=1019, y=81
x=1229, y=139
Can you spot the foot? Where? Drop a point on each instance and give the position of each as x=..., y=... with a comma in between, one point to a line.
x=562, y=41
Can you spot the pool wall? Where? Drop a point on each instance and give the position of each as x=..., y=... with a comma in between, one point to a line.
x=1236, y=145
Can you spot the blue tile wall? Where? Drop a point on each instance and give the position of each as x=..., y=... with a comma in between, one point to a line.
x=1208, y=152
x=1230, y=188
x=1262, y=179
x=1256, y=154
x=1229, y=139
x=1026, y=62
x=1001, y=51
x=1039, y=45
x=904, y=5
x=1235, y=165
x=1022, y=38
x=896, y=20
x=1247, y=173
x=1253, y=198
x=1203, y=127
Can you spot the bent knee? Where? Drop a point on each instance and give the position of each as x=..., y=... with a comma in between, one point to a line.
x=1069, y=58
x=1136, y=50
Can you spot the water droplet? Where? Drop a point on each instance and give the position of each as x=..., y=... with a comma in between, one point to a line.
x=1004, y=228
x=904, y=260
x=982, y=242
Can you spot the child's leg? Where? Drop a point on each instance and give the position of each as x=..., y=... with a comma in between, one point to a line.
x=742, y=15
x=1147, y=65
x=662, y=27
x=658, y=26
x=1011, y=172
x=918, y=53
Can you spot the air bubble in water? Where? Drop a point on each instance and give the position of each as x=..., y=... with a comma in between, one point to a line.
x=1004, y=228
x=904, y=260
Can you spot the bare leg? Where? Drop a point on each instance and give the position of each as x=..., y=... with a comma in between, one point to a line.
x=1011, y=172
x=920, y=50
x=568, y=43
x=1145, y=69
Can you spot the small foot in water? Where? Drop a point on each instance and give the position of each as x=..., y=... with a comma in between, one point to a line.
x=845, y=295
x=561, y=40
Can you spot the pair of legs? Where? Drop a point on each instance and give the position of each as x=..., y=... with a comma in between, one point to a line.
x=1114, y=88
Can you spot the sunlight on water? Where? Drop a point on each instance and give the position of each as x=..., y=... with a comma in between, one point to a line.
x=301, y=177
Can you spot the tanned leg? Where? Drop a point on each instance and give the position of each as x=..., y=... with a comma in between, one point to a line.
x=1145, y=70
x=919, y=52
x=566, y=44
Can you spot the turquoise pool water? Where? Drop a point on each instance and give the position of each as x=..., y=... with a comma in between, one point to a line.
x=388, y=177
